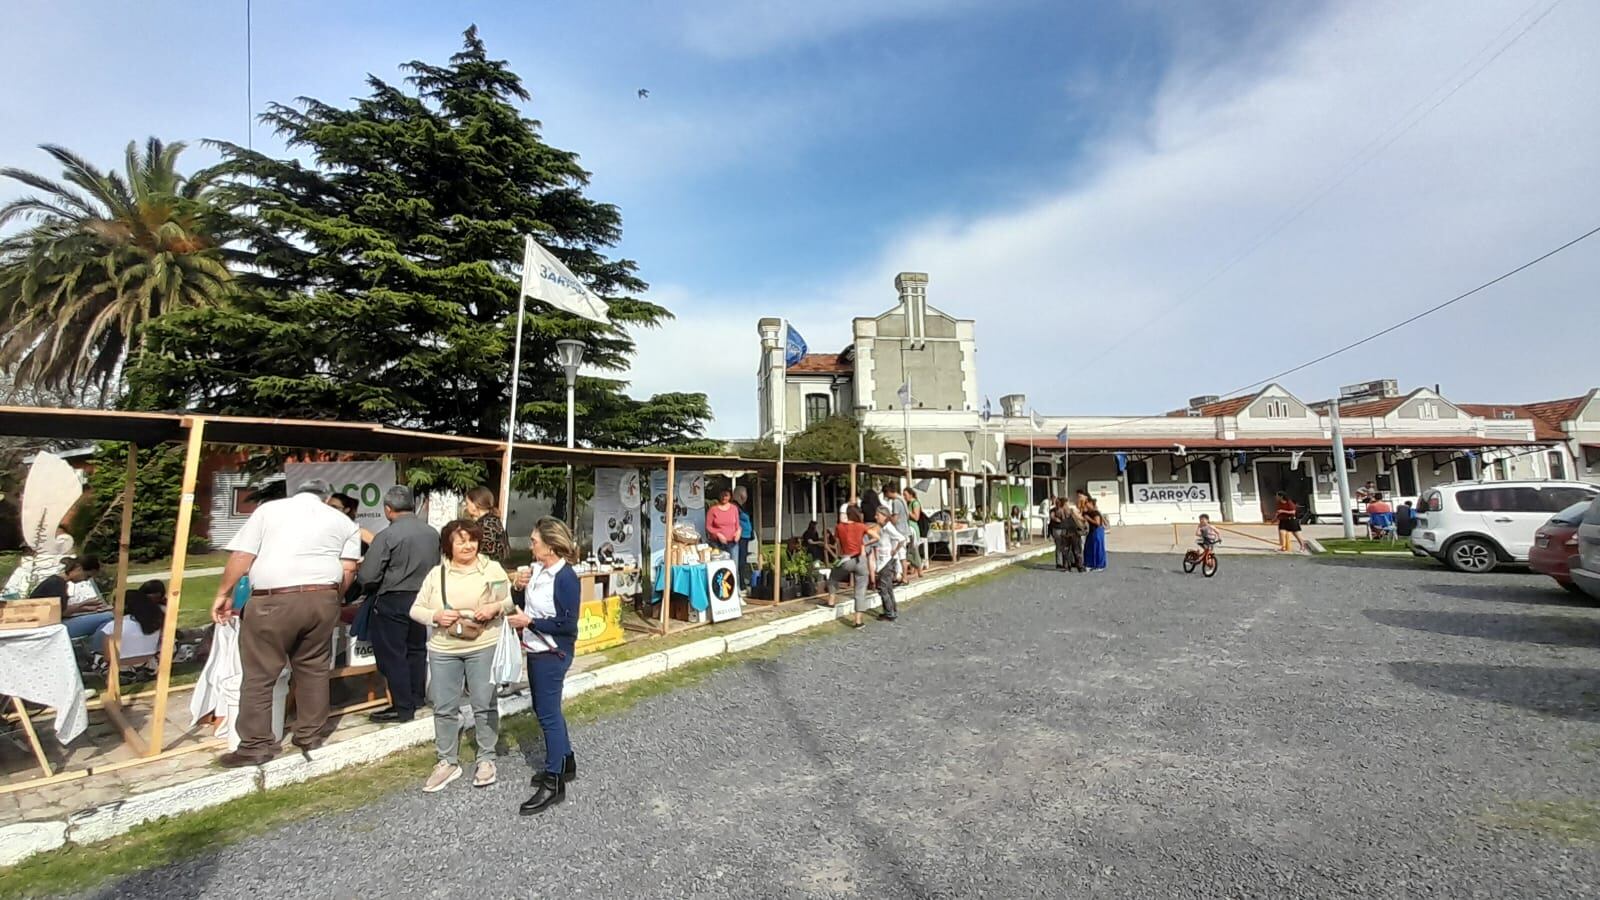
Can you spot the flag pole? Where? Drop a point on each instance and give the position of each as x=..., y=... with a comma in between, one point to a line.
x=511, y=417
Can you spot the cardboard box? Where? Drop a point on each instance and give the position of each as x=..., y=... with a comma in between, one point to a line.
x=19, y=614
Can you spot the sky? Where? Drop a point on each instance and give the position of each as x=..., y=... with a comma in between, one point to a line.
x=1137, y=202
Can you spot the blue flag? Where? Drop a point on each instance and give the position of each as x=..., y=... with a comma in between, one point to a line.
x=1242, y=459
x=1472, y=454
x=1122, y=463
x=987, y=412
x=794, y=347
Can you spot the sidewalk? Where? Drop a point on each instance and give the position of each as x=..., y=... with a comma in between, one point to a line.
x=1253, y=539
x=83, y=809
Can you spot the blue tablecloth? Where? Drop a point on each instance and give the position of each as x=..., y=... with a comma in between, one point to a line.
x=690, y=580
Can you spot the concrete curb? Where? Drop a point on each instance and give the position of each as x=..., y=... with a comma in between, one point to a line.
x=20, y=840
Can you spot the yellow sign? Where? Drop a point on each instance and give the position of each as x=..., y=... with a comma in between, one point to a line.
x=599, y=625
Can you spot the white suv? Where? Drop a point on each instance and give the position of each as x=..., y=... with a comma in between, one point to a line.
x=1473, y=526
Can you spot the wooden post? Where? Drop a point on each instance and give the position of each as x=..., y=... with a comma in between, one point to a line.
x=119, y=592
x=666, y=544
x=180, y=554
x=755, y=520
x=777, y=534
x=855, y=486
x=33, y=737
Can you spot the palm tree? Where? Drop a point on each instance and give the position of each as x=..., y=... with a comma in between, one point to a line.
x=105, y=253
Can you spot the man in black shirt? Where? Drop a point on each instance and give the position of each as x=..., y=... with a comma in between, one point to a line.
x=83, y=618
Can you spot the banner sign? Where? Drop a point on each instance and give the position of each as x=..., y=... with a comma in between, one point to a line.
x=366, y=481
x=1173, y=493
x=616, y=516
x=682, y=513
x=724, y=589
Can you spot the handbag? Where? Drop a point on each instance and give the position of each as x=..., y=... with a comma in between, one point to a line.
x=466, y=628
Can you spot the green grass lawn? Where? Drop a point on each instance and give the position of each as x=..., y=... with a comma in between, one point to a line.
x=1363, y=545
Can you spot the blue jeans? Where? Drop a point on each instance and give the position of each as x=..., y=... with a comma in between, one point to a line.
x=547, y=674
x=85, y=625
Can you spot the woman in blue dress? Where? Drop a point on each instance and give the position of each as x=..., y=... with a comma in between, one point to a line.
x=1094, y=544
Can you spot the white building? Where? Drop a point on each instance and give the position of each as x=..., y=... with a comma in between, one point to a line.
x=1226, y=457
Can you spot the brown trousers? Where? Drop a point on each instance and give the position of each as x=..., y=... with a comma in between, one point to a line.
x=278, y=630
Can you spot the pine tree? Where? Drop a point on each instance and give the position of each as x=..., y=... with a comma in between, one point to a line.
x=386, y=277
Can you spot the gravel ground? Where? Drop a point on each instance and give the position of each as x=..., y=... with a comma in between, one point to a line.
x=1291, y=728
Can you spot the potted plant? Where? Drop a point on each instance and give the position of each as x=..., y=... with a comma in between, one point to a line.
x=799, y=575
x=762, y=576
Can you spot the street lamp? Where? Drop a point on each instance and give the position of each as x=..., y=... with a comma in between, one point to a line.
x=861, y=436
x=569, y=355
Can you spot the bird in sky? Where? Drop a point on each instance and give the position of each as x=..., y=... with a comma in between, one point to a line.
x=644, y=93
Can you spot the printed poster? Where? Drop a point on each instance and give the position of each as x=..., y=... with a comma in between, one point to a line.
x=682, y=513
x=366, y=481
x=724, y=589
x=616, y=516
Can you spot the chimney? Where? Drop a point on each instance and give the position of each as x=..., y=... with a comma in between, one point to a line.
x=1012, y=405
x=913, y=290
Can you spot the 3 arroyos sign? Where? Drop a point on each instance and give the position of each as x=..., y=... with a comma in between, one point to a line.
x=1172, y=493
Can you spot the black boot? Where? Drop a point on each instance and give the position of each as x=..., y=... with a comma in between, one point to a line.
x=569, y=769
x=550, y=791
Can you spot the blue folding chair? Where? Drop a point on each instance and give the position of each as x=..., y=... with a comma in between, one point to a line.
x=1382, y=525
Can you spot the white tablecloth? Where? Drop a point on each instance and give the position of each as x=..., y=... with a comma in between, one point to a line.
x=37, y=665
x=994, y=537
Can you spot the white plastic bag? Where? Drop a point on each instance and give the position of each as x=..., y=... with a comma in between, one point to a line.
x=507, y=655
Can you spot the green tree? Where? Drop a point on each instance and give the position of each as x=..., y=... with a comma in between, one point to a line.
x=386, y=277
x=98, y=522
x=104, y=255
x=832, y=440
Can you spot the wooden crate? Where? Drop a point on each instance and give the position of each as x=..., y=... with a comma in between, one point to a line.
x=37, y=613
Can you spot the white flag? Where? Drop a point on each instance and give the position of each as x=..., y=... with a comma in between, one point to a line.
x=905, y=394
x=1038, y=423
x=545, y=278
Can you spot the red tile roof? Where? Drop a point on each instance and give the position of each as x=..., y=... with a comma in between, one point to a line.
x=822, y=364
x=1544, y=429
x=1156, y=442
x=1375, y=409
x=1228, y=407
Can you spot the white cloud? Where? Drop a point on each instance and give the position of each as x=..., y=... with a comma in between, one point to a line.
x=1495, y=176
x=730, y=29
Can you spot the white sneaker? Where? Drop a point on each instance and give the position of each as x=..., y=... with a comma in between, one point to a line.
x=440, y=777
x=485, y=774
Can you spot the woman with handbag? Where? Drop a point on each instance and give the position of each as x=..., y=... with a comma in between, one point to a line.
x=463, y=598
x=548, y=619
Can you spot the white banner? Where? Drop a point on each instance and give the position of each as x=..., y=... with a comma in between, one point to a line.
x=545, y=278
x=724, y=588
x=658, y=508
x=366, y=481
x=1176, y=492
x=616, y=515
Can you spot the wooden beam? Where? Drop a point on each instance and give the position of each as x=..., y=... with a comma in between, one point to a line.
x=119, y=592
x=33, y=737
x=130, y=734
x=180, y=557
x=666, y=543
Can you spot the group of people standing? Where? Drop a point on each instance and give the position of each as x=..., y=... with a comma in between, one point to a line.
x=434, y=605
x=879, y=546
x=1079, y=530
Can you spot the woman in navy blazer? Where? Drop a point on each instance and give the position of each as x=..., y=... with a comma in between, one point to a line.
x=548, y=599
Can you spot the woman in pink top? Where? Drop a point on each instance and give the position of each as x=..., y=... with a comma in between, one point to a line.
x=722, y=523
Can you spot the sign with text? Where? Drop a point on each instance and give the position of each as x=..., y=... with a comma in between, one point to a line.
x=366, y=481
x=1173, y=493
x=724, y=589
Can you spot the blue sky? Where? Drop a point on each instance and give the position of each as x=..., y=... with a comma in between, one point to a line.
x=1090, y=181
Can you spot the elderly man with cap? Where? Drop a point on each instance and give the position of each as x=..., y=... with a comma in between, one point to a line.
x=393, y=569
x=301, y=555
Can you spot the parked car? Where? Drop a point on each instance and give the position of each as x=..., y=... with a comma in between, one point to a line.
x=1476, y=526
x=1556, y=542
x=1586, y=566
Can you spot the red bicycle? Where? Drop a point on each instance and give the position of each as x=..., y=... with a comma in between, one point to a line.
x=1202, y=557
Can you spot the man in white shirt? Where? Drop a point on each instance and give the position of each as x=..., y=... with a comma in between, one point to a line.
x=301, y=555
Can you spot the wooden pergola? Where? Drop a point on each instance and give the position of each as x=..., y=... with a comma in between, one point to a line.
x=194, y=431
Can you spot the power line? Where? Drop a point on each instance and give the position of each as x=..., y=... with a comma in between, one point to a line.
x=1354, y=164
x=1380, y=333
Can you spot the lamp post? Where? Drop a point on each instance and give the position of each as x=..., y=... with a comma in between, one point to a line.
x=907, y=400
x=569, y=355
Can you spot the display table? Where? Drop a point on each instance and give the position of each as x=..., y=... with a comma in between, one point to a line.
x=37, y=665
x=689, y=579
x=953, y=541
x=994, y=537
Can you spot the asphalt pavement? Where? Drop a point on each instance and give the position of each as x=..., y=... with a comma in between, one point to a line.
x=1290, y=728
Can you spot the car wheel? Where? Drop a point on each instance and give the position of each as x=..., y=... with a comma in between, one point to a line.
x=1471, y=555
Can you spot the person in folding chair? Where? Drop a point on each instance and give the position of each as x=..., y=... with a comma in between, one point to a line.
x=1380, y=518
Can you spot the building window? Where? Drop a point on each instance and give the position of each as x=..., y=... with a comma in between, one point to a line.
x=1138, y=472
x=245, y=501
x=1502, y=470
x=1200, y=472
x=1463, y=468
x=1558, y=465
x=1427, y=409
x=1591, y=457
x=817, y=408
x=1277, y=409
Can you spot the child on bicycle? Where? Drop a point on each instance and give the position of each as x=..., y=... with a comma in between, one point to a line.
x=1206, y=534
